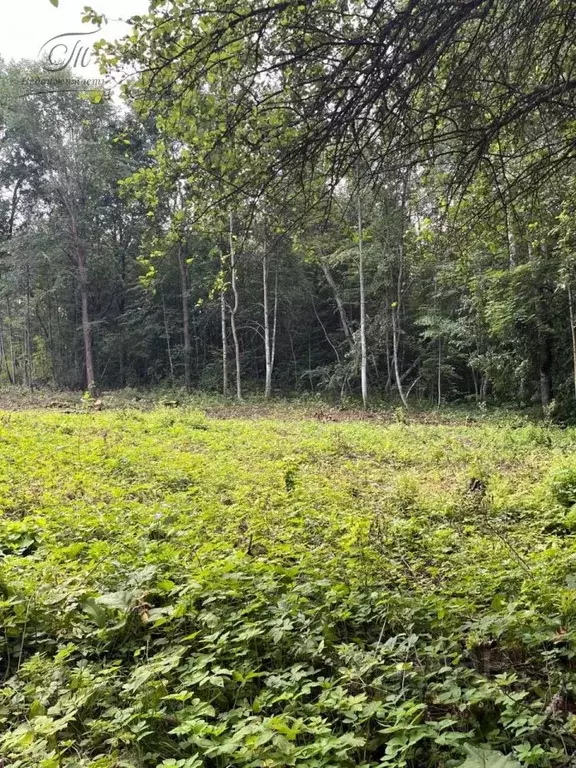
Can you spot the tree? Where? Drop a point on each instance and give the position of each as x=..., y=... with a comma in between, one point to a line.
x=280, y=82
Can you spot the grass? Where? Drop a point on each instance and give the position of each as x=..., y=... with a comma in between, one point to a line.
x=185, y=590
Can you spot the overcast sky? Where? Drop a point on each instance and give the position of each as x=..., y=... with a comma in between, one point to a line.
x=27, y=25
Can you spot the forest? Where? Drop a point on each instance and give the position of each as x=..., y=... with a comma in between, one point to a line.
x=340, y=225
x=288, y=389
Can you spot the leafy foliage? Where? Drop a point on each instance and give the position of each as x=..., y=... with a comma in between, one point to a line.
x=181, y=591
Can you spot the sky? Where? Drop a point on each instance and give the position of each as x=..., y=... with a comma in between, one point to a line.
x=28, y=24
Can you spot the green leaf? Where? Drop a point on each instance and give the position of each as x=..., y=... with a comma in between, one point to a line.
x=54, y=3
x=96, y=613
x=121, y=601
x=479, y=757
x=571, y=581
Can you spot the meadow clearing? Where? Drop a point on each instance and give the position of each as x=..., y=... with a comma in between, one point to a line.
x=183, y=589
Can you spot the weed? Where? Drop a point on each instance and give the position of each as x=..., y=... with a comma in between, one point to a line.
x=183, y=591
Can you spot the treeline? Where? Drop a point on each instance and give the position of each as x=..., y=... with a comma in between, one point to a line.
x=117, y=268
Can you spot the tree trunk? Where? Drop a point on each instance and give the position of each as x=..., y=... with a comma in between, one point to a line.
x=224, y=343
x=11, y=345
x=50, y=340
x=2, y=350
x=339, y=303
x=267, y=346
x=122, y=359
x=185, y=319
x=325, y=332
x=439, y=372
x=475, y=382
x=294, y=358
x=86, y=326
x=13, y=207
x=234, y=312
x=396, y=307
x=545, y=377
x=82, y=267
x=363, y=352
x=5, y=353
x=274, y=322
x=167, y=334
x=195, y=336
x=388, y=364
x=395, y=348
x=543, y=340
x=28, y=352
x=512, y=245
x=573, y=332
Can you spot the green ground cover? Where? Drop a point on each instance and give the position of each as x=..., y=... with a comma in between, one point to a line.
x=184, y=590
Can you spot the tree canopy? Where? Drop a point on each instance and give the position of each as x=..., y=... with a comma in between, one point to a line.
x=319, y=86
x=360, y=199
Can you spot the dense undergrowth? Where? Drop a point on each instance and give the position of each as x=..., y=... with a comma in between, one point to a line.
x=179, y=590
